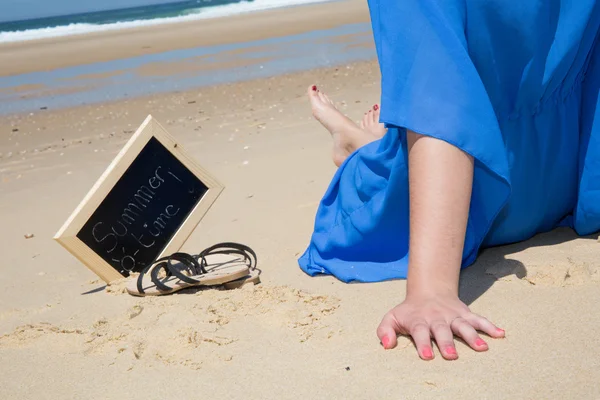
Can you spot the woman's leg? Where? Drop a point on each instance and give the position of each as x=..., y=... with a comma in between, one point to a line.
x=347, y=136
x=440, y=184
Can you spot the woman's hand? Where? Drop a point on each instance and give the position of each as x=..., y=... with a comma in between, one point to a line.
x=440, y=317
x=440, y=187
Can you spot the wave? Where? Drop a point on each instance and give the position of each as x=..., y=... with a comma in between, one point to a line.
x=190, y=15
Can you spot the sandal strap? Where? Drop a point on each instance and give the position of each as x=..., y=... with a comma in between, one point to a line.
x=228, y=248
x=154, y=275
x=184, y=258
x=165, y=263
x=140, y=277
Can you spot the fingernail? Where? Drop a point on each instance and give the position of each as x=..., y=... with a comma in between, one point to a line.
x=375, y=107
x=427, y=353
x=480, y=342
x=314, y=88
x=385, y=341
x=450, y=350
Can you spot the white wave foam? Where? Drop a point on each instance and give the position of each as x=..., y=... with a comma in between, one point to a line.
x=204, y=13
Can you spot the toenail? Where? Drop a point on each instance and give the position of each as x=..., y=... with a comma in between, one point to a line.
x=450, y=350
x=375, y=107
x=480, y=342
x=314, y=88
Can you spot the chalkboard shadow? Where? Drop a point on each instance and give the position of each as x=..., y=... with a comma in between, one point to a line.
x=97, y=290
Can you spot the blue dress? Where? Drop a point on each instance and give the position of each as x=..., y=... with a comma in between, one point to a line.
x=512, y=83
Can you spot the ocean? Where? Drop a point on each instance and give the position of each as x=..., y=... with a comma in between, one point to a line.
x=189, y=68
x=72, y=24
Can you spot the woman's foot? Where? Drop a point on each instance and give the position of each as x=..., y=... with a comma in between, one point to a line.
x=371, y=125
x=347, y=136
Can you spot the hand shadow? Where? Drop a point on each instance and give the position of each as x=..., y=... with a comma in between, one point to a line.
x=492, y=264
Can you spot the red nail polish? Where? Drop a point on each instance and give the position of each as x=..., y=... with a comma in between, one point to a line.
x=375, y=107
x=385, y=341
x=427, y=353
x=450, y=350
x=480, y=342
x=314, y=88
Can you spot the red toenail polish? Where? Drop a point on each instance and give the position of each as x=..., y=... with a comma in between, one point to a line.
x=480, y=342
x=451, y=350
x=375, y=107
x=385, y=341
x=314, y=88
x=427, y=353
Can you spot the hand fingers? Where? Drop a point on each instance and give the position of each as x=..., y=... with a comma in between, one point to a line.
x=422, y=338
x=484, y=325
x=445, y=339
x=466, y=331
x=387, y=332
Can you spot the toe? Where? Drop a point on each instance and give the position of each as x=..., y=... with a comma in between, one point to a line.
x=375, y=114
x=365, y=121
x=324, y=98
x=368, y=118
x=315, y=101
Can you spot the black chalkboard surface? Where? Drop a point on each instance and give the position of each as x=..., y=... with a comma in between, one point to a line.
x=142, y=212
x=145, y=205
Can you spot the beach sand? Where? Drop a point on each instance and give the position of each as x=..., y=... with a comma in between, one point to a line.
x=64, y=334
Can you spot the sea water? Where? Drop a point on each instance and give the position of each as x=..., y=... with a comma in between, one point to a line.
x=51, y=25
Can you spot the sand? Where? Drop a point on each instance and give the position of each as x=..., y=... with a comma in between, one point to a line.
x=64, y=334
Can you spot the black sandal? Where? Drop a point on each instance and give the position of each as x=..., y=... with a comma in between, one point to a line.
x=191, y=271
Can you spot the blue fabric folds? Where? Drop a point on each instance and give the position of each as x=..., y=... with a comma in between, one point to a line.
x=514, y=84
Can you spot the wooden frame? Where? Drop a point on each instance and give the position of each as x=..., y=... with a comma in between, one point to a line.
x=67, y=235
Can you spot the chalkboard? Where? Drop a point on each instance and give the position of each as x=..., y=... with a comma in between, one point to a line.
x=142, y=212
x=145, y=205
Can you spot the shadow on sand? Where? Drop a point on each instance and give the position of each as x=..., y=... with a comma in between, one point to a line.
x=477, y=279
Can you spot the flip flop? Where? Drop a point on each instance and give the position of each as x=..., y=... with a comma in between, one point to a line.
x=164, y=276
